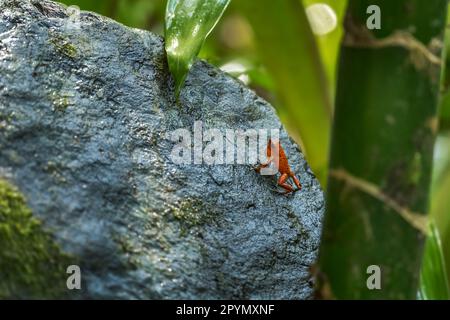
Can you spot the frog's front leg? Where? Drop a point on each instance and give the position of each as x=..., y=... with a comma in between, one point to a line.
x=263, y=165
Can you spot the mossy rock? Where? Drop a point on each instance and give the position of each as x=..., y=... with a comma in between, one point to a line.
x=85, y=137
x=63, y=46
x=31, y=264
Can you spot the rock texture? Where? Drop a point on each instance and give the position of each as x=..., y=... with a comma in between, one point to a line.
x=85, y=108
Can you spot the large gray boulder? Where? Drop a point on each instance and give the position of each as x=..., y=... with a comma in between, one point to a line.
x=86, y=105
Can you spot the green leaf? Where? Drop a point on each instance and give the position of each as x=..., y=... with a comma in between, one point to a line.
x=440, y=209
x=288, y=49
x=329, y=43
x=188, y=24
x=444, y=124
x=433, y=277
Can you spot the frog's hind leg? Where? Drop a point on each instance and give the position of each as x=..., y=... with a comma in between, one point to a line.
x=297, y=182
x=282, y=183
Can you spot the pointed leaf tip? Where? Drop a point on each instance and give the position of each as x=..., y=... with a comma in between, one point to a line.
x=188, y=24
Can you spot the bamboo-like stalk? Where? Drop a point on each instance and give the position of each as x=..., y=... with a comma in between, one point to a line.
x=381, y=157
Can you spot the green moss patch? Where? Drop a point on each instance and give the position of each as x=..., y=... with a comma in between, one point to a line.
x=60, y=101
x=192, y=212
x=31, y=264
x=63, y=46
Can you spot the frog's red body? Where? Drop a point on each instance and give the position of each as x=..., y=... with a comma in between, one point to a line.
x=274, y=147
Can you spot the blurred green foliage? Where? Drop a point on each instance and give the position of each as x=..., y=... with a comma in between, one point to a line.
x=440, y=200
x=434, y=283
x=329, y=43
x=292, y=58
x=382, y=149
x=143, y=14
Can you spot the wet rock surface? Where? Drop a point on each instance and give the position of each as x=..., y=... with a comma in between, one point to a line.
x=86, y=106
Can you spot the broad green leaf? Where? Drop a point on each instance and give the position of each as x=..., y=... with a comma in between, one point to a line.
x=433, y=277
x=188, y=24
x=440, y=201
x=289, y=51
x=329, y=43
